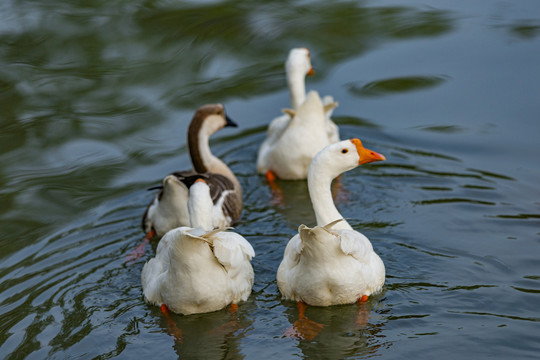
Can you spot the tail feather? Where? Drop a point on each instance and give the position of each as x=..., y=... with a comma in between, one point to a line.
x=329, y=225
x=206, y=236
x=209, y=234
x=290, y=112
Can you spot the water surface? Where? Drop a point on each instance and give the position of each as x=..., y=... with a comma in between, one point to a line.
x=96, y=98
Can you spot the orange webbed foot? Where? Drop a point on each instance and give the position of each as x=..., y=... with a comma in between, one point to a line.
x=139, y=250
x=303, y=328
x=172, y=328
x=230, y=326
x=277, y=193
x=362, y=317
x=233, y=308
x=270, y=176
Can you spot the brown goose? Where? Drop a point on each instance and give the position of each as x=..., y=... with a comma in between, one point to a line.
x=169, y=208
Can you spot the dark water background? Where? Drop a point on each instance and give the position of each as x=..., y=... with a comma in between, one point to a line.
x=95, y=99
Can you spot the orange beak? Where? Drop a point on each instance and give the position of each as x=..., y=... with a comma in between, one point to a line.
x=310, y=72
x=366, y=155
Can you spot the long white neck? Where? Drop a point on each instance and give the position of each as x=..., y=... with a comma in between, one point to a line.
x=200, y=206
x=319, y=185
x=297, y=87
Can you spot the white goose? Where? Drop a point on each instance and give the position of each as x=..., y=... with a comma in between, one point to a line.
x=169, y=208
x=196, y=270
x=298, y=65
x=331, y=263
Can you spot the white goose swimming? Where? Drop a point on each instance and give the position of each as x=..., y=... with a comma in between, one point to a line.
x=331, y=263
x=196, y=270
x=169, y=208
x=276, y=156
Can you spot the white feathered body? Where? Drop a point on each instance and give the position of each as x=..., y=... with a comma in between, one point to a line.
x=169, y=209
x=273, y=133
x=291, y=145
x=324, y=267
x=197, y=272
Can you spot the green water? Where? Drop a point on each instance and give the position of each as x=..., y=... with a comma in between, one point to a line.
x=95, y=99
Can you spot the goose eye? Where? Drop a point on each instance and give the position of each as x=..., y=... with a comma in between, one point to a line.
x=344, y=151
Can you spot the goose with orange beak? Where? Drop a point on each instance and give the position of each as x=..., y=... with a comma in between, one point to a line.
x=295, y=137
x=330, y=264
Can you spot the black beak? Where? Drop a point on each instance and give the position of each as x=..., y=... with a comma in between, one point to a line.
x=229, y=122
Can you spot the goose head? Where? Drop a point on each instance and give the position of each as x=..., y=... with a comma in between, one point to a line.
x=299, y=62
x=171, y=186
x=208, y=119
x=343, y=156
x=298, y=65
x=329, y=163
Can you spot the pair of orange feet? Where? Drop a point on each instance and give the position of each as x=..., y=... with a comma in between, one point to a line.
x=303, y=328
x=307, y=329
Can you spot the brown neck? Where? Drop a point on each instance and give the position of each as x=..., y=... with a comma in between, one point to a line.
x=199, y=149
x=193, y=143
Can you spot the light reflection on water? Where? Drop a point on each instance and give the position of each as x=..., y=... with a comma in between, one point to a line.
x=95, y=102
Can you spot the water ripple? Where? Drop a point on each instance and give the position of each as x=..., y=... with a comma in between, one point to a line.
x=454, y=200
x=396, y=85
x=512, y=317
x=95, y=100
